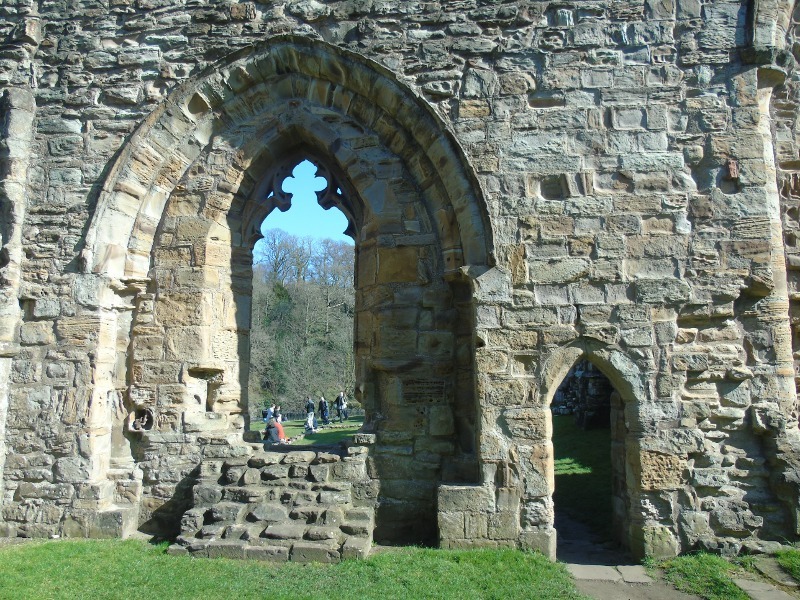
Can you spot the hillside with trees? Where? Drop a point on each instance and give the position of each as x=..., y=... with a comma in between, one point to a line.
x=302, y=329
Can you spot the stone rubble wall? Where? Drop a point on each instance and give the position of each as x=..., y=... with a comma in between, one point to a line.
x=280, y=504
x=624, y=153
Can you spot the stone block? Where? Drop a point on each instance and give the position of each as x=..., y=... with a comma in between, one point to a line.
x=503, y=525
x=440, y=420
x=397, y=265
x=654, y=540
x=285, y=531
x=299, y=457
x=332, y=497
x=267, y=553
x=660, y=471
x=206, y=494
x=662, y=291
x=320, y=533
x=356, y=548
x=274, y=472
x=319, y=473
x=323, y=552
x=225, y=549
x=457, y=498
x=267, y=511
x=37, y=333
x=541, y=540
x=476, y=525
x=451, y=525
x=262, y=459
x=177, y=550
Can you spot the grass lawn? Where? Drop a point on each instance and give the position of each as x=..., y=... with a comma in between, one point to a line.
x=706, y=575
x=323, y=437
x=133, y=569
x=789, y=560
x=583, y=473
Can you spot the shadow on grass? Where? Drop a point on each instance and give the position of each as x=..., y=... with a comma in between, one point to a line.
x=583, y=474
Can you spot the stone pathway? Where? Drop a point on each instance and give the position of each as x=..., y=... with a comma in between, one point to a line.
x=604, y=573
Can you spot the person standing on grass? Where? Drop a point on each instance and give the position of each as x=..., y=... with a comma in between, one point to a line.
x=340, y=404
x=323, y=410
x=309, y=406
x=278, y=415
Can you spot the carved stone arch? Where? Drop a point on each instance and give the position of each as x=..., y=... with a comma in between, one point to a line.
x=623, y=373
x=211, y=154
x=161, y=151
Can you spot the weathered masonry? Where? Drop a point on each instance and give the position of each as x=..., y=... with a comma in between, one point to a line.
x=529, y=184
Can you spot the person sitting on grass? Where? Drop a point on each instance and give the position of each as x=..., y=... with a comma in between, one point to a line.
x=281, y=433
x=274, y=433
x=271, y=433
x=311, y=423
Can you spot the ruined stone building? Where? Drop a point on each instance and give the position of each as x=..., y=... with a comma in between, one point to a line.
x=528, y=183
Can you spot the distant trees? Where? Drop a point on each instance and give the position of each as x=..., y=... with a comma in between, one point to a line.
x=301, y=341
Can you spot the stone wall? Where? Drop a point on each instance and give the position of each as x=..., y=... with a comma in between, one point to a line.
x=528, y=184
x=278, y=505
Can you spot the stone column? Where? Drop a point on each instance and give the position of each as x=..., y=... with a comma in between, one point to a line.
x=775, y=307
x=17, y=106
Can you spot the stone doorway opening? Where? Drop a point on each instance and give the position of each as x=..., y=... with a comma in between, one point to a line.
x=590, y=496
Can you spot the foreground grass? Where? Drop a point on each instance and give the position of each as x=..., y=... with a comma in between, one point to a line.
x=706, y=575
x=789, y=560
x=132, y=569
x=583, y=473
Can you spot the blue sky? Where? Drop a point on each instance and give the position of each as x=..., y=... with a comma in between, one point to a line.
x=306, y=218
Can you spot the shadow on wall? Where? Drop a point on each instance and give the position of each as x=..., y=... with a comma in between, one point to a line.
x=165, y=520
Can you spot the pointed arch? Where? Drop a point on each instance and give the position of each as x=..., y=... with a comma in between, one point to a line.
x=169, y=251
x=629, y=459
x=623, y=373
x=300, y=77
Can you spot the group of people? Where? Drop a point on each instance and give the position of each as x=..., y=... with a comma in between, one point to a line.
x=340, y=404
x=274, y=434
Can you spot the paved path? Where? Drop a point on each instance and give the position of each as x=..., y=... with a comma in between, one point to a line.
x=604, y=573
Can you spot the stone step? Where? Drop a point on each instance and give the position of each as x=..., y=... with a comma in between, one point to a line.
x=119, y=521
x=323, y=552
x=357, y=547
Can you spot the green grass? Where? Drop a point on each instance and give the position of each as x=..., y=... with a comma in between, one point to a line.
x=131, y=569
x=706, y=575
x=583, y=473
x=789, y=560
x=323, y=437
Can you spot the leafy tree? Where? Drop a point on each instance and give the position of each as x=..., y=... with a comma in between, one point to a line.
x=302, y=327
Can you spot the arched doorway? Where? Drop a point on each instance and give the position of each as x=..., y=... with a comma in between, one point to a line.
x=621, y=389
x=177, y=223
